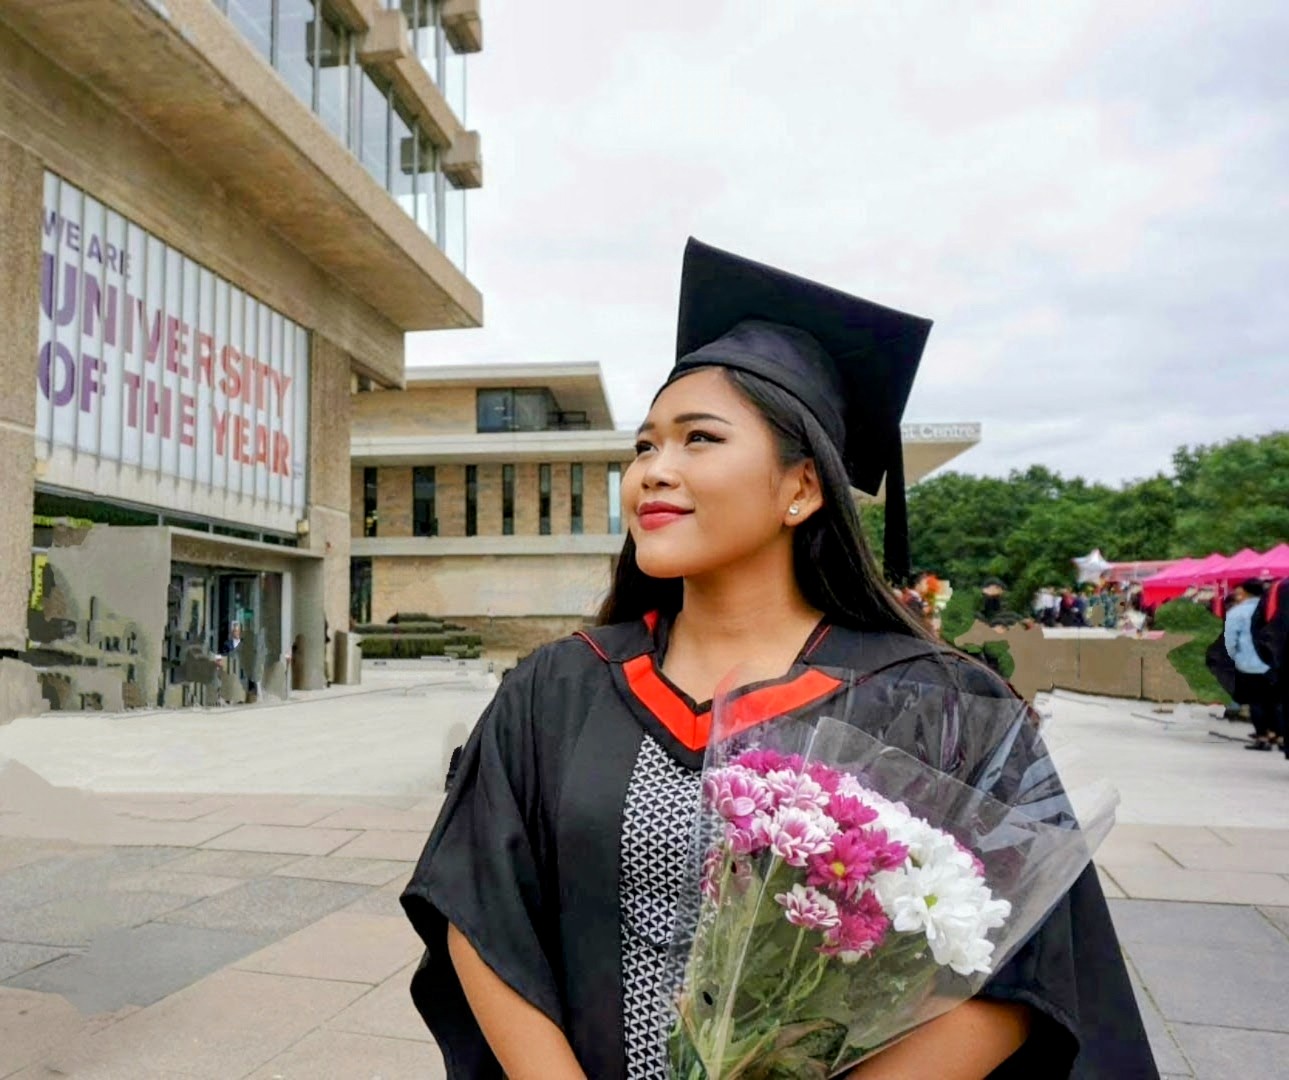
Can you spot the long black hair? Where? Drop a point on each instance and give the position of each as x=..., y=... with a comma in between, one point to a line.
x=833, y=563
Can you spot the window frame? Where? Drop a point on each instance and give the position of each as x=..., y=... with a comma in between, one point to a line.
x=543, y=500
x=430, y=501
x=576, y=498
x=508, y=500
x=472, y=500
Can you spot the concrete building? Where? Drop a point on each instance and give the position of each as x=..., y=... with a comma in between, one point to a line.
x=218, y=218
x=489, y=496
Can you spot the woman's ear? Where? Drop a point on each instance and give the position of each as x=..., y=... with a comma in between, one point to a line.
x=807, y=495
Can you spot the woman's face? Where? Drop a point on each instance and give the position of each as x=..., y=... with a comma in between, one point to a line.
x=706, y=488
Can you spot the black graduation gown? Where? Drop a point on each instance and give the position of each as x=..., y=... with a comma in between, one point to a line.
x=525, y=857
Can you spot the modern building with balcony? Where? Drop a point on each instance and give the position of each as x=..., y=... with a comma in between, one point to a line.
x=490, y=496
x=220, y=217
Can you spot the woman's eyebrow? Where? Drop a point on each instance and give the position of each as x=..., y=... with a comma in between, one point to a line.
x=685, y=418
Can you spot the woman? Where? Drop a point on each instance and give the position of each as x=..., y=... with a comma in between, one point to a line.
x=548, y=890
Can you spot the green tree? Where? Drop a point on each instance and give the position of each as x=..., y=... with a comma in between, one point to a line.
x=1232, y=495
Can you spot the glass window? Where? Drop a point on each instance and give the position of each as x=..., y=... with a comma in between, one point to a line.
x=402, y=157
x=524, y=409
x=615, y=497
x=575, y=500
x=423, y=25
x=471, y=500
x=296, y=25
x=507, y=500
x=544, y=500
x=360, y=590
x=334, y=67
x=254, y=18
x=453, y=83
x=454, y=238
x=369, y=502
x=427, y=167
x=424, y=523
x=374, y=136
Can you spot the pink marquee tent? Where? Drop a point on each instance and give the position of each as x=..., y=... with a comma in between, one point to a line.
x=1217, y=570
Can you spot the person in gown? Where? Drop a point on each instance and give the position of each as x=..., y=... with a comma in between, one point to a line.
x=549, y=888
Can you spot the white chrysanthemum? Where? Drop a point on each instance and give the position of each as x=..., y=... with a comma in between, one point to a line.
x=795, y=835
x=793, y=789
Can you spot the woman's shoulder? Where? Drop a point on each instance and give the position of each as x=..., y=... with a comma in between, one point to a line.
x=911, y=658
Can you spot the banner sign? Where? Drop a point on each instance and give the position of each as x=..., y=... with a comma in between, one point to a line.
x=151, y=360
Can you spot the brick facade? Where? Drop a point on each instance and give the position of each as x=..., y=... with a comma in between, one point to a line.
x=393, y=502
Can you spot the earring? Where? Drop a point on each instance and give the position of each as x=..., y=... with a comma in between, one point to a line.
x=794, y=509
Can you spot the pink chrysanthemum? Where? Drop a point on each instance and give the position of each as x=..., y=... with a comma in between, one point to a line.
x=827, y=778
x=809, y=908
x=749, y=840
x=795, y=835
x=850, y=812
x=760, y=761
x=796, y=790
x=852, y=858
x=861, y=928
x=737, y=795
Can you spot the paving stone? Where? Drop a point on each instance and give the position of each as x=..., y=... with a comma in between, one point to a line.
x=1279, y=916
x=383, y=901
x=1168, y=1058
x=1115, y=852
x=282, y=839
x=33, y=1024
x=1108, y=884
x=340, y=1055
x=259, y=811
x=1190, y=835
x=355, y=871
x=172, y=881
x=1202, y=886
x=1235, y=987
x=1259, y=838
x=386, y=1011
x=1245, y=857
x=384, y=844
x=138, y=966
x=227, y=1025
x=86, y=872
x=345, y=945
x=78, y=920
x=166, y=809
x=237, y=864
x=273, y=906
x=16, y=851
x=381, y=817
x=1156, y=922
x=1221, y=1053
x=16, y=958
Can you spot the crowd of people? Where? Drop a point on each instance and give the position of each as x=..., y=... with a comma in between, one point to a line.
x=1108, y=606
x=1250, y=659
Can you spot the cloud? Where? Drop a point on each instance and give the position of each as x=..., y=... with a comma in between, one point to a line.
x=1087, y=197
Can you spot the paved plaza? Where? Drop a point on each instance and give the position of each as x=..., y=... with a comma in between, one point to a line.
x=214, y=893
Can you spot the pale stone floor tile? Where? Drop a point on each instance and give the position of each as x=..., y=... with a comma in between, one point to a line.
x=282, y=839
x=1157, y=922
x=1201, y=886
x=272, y=906
x=1279, y=917
x=32, y=1024
x=379, y=817
x=386, y=1011
x=340, y=1055
x=224, y=1026
x=345, y=945
x=138, y=966
x=167, y=810
x=166, y=880
x=384, y=844
x=239, y=864
x=1246, y=858
x=1278, y=838
x=1192, y=835
x=77, y=920
x=1117, y=852
x=258, y=812
x=383, y=901
x=354, y=871
x=1226, y=986
x=1108, y=885
x=136, y=832
x=1221, y=1053
x=16, y=958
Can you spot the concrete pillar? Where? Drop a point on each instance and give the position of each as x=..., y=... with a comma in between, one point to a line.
x=21, y=198
x=561, y=500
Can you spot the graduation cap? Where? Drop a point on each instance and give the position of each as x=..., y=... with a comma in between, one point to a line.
x=849, y=361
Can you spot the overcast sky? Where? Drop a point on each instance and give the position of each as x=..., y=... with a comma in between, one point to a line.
x=1091, y=199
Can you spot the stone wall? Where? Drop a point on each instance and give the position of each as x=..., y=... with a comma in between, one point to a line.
x=457, y=586
x=449, y=499
x=444, y=410
x=394, y=502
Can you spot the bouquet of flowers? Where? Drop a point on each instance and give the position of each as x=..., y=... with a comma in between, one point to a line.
x=850, y=892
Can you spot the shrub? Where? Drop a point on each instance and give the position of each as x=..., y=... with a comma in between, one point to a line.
x=1187, y=617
